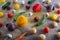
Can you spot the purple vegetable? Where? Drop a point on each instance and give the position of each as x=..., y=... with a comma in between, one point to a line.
x=11, y=26
x=50, y=7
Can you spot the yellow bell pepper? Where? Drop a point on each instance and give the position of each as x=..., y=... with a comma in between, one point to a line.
x=22, y=21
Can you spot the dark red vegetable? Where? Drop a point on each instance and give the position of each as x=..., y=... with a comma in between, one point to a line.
x=27, y=6
x=8, y=8
x=36, y=19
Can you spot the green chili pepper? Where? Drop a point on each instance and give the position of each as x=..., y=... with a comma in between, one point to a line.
x=42, y=21
x=18, y=14
x=5, y=5
x=30, y=1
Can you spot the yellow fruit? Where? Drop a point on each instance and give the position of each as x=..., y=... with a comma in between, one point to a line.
x=54, y=16
x=16, y=6
x=2, y=1
x=22, y=21
x=1, y=14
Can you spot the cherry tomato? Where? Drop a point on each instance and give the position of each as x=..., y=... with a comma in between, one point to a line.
x=58, y=11
x=10, y=15
x=46, y=29
x=1, y=24
x=37, y=7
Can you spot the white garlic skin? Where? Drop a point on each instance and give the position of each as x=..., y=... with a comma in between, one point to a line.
x=42, y=37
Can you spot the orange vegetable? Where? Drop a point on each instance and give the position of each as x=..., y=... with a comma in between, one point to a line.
x=21, y=36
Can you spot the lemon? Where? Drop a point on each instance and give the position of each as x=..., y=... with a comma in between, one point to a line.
x=16, y=6
x=1, y=14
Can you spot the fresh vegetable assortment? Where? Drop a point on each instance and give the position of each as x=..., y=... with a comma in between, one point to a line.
x=23, y=20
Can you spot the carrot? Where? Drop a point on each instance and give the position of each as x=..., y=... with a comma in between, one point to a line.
x=21, y=36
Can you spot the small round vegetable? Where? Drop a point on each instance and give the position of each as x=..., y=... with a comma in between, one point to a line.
x=58, y=5
x=8, y=7
x=10, y=15
x=42, y=37
x=46, y=29
x=33, y=30
x=13, y=11
x=23, y=2
x=16, y=6
x=58, y=11
x=14, y=1
x=1, y=24
x=30, y=13
x=9, y=35
x=1, y=14
x=54, y=24
x=48, y=1
x=11, y=26
x=58, y=19
x=2, y=1
x=54, y=16
x=58, y=35
x=27, y=6
x=47, y=15
x=37, y=7
x=36, y=19
x=22, y=21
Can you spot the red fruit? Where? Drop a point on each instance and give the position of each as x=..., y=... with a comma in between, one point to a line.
x=58, y=11
x=1, y=24
x=27, y=6
x=10, y=15
x=46, y=29
x=8, y=8
x=37, y=7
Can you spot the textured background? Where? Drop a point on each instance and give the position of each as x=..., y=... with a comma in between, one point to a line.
x=50, y=35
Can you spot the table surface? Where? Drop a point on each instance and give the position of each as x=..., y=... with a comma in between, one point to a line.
x=18, y=31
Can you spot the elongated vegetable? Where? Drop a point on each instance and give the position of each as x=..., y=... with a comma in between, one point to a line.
x=5, y=5
x=30, y=1
x=21, y=36
x=42, y=21
x=17, y=14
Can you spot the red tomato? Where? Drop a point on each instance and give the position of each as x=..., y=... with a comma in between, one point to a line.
x=10, y=15
x=37, y=7
x=46, y=29
x=1, y=24
x=58, y=11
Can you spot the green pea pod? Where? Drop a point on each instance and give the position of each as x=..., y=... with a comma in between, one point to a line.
x=42, y=21
x=5, y=5
x=31, y=1
x=18, y=14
